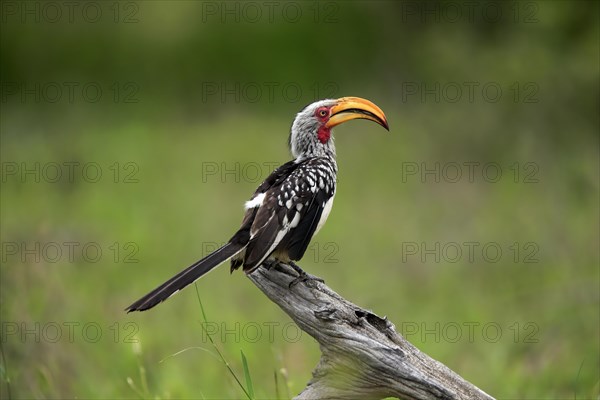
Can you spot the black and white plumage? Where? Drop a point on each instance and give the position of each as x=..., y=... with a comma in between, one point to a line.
x=290, y=206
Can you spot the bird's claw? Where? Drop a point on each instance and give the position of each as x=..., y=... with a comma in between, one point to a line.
x=302, y=276
x=269, y=264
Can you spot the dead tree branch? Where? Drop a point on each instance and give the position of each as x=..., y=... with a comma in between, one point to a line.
x=363, y=357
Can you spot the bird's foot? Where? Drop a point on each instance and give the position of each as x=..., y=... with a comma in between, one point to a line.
x=302, y=276
x=269, y=264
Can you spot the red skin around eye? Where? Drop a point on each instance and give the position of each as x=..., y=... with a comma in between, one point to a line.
x=323, y=133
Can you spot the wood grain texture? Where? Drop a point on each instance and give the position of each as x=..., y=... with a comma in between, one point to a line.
x=363, y=357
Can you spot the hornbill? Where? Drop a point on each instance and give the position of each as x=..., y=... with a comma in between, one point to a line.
x=290, y=206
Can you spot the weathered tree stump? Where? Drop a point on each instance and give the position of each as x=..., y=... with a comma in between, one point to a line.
x=363, y=357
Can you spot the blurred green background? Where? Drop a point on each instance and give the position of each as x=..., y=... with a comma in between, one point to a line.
x=132, y=133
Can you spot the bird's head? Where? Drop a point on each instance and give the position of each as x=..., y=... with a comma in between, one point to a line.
x=311, y=131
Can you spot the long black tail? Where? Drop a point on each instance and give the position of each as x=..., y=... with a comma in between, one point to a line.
x=185, y=277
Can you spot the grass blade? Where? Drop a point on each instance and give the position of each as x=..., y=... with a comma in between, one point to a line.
x=221, y=357
x=277, y=396
x=247, y=375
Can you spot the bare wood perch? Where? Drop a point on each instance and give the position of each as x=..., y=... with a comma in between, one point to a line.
x=363, y=357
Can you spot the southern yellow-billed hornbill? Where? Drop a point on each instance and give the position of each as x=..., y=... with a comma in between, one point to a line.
x=290, y=206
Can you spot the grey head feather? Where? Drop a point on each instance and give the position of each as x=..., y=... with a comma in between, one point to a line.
x=303, y=141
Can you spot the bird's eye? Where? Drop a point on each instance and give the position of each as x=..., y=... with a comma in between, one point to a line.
x=322, y=112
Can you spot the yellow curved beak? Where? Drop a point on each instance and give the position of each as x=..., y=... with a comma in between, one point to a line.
x=348, y=108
